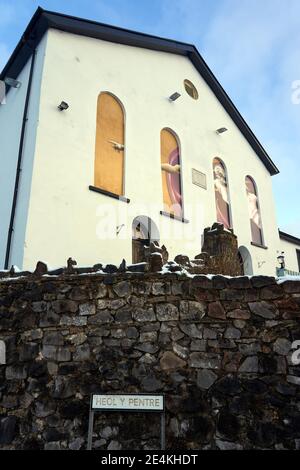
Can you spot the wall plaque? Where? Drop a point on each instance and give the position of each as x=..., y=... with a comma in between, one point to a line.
x=199, y=178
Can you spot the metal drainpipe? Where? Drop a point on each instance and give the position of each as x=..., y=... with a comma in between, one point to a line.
x=19, y=169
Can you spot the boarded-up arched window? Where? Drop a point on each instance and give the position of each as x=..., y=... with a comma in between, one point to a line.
x=109, y=152
x=254, y=211
x=222, y=193
x=170, y=172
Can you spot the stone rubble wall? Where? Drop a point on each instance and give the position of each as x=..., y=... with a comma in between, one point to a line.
x=220, y=350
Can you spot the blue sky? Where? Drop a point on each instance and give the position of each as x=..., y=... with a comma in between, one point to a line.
x=252, y=46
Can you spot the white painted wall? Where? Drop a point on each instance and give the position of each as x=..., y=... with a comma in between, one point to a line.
x=290, y=255
x=11, y=116
x=64, y=215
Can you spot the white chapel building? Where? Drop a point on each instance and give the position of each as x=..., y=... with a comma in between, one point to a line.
x=109, y=135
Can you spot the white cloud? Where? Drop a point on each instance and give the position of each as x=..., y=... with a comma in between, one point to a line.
x=4, y=55
x=7, y=13
x=107, y=12
x=292, y=228
x=183, y=20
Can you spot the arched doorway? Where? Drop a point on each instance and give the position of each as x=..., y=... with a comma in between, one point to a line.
x=246, y=261
x=144, y=231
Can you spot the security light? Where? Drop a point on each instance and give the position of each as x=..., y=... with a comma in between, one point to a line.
x=175, y=96
x=12, y=82
x=221, y=130
x=63, y=106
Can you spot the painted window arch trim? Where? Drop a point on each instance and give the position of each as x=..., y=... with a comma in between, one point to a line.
x=222, y=195
x=170, y=151
x=254, y=211
x=109, y=166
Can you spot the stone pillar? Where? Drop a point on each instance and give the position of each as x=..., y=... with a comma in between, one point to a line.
x=221, y=247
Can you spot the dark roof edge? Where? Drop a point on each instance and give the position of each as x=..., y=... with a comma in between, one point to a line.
x=23, y=48
x=289, y=238
x=44, y=19
x=233, y=112
x=117, y=29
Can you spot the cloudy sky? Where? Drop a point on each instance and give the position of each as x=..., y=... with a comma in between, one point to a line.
x=252, y=46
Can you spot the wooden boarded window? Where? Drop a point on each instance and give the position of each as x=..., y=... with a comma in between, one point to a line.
x=109, y=152
x=170, y=173
x=254, y=211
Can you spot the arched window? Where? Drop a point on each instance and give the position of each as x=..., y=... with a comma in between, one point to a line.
x=222, y=193
x=254, y=211
x=170, y=173
x=109, y=151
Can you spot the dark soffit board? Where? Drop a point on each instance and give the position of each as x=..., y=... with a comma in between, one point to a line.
x=43, y=20
x=289, y=238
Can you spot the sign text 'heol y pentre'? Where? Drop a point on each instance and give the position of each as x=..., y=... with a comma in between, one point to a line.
x=128, y=402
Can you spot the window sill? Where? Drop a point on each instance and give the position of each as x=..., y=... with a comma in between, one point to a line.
x=175, y=217
x=107, y=193
x=259, y=246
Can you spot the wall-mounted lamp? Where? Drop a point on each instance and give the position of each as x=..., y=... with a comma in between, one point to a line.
x=221, y=130
x=281, y=260
x=175, y=96
x=63, y=106
x=12, y=82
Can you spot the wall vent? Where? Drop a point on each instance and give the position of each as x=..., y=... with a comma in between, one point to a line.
x=199, y=179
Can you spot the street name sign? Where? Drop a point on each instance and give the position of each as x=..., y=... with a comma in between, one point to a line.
x=135, y=403
x=154, y=403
